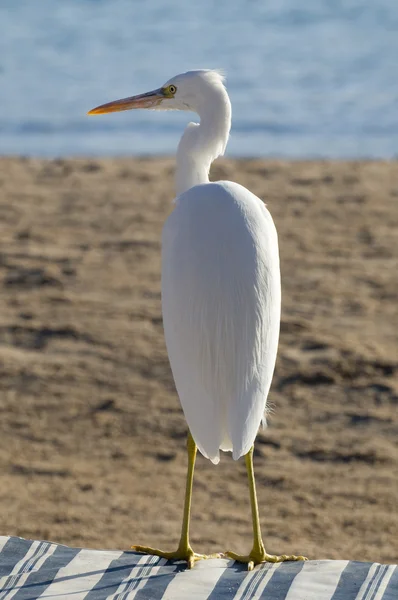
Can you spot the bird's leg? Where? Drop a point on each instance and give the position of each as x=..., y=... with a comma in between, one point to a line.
x=258, y=554
x=184, y=550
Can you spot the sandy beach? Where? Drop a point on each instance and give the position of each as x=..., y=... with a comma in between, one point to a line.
x=92, y=437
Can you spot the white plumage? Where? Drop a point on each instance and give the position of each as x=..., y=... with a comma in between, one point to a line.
x=221, y=295
x=221, y=311
x=220, y=275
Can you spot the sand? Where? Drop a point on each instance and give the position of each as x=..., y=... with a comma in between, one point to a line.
x=92, y=437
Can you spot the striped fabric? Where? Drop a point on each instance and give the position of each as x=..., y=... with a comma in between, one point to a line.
x=32, y=569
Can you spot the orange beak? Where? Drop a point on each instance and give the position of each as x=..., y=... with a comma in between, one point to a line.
x=148, y=100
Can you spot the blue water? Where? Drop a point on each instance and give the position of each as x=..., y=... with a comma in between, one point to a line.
x=307, y=78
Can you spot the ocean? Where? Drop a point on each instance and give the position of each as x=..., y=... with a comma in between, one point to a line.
x=307, y=79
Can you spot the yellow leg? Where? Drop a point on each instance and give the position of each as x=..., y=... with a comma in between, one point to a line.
x=184, y=550
x=258, y=554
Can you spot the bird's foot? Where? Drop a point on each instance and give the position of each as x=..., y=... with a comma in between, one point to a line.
x=182, y=553
x=256, y=557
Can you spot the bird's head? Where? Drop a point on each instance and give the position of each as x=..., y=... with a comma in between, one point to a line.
x=188, y=91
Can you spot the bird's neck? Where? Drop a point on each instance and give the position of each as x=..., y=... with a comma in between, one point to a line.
x=203, y=142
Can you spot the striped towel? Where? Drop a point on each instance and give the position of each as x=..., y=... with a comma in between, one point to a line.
x=32, y=569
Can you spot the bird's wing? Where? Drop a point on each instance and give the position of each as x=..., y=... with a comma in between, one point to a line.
x=221, y=312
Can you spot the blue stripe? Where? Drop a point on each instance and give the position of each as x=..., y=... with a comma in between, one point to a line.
x=351, y=580
x=229, y=582
x=371, y=581
x=280, y=582
x=391, y=592
x=117, y=571
x=13, y=551
x=157, y=584
x=143, y=574
x=39, y=581
x=112, y=577
x=254, y=584
x=27, y=565
x=381, y=572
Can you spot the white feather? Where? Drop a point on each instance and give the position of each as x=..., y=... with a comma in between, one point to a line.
x=220, y=275
x=221, y=312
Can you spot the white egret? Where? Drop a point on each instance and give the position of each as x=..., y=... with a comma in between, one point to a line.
x=221, y=294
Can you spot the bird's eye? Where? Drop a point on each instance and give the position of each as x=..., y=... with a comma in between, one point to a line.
x=172, y=89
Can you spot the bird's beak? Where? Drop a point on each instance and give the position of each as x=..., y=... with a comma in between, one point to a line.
x=148, y=100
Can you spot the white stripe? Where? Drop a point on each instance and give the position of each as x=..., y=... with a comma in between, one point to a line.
x=34, y=552
x=131, y=580
x=44, y=548
x=384, y=583
x=375, y=582
x=369, y=578
x=197, y=583
x=38, y=562
x=265, y=581
x=254, y=582
x=378, y=576
x=248, y=584
x=79, y=576
x=3, y=540
x=317, y=580
x=18, y=567
x=245, y=589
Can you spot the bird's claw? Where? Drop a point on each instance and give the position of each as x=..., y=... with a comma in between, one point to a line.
x=258, y=557
x=182, y=553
